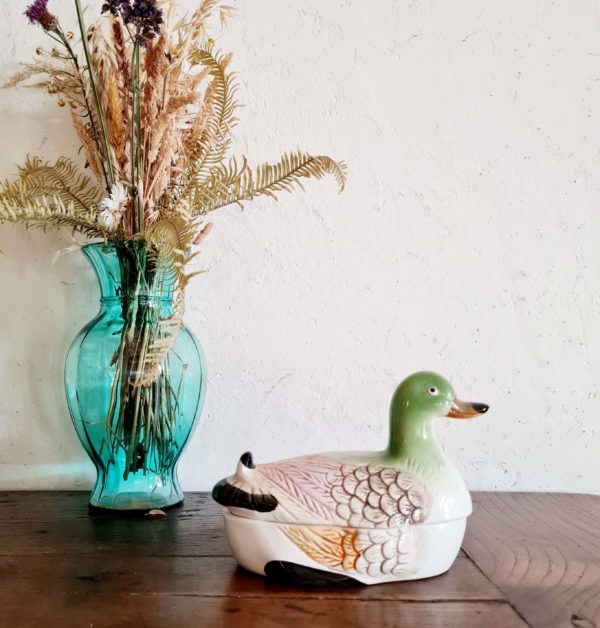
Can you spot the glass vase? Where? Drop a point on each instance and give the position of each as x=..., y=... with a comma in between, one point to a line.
x=135, y=381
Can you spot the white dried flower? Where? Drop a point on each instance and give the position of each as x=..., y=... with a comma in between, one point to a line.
x=113, y=206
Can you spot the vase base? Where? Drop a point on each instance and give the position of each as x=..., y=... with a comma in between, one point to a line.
x=99, y=511
x=134, y=502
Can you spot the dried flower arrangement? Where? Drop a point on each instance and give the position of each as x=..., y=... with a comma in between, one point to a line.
x=153, y=105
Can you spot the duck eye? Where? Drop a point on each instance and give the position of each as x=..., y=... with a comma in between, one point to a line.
x=433, y=391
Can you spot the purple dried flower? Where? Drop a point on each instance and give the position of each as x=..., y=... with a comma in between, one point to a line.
x=114, y=6
x=36, y=10
x=38, y=13
x=143, y=15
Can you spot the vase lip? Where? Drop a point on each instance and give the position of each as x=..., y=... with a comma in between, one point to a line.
x=90, y=245
x=98, y=246
x=114, y=289
x=109, y=244
x=92, y=249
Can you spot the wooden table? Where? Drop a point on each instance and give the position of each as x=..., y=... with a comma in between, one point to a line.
x=528, y=559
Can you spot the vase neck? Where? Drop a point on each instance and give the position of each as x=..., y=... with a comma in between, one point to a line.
x=125, y=274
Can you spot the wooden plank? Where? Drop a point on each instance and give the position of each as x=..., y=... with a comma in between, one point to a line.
x=214, y=576
x=157, y=537
x=61, y=524
x=204, y=536
x=543, y=552
x=49, y=506
x=148, y=611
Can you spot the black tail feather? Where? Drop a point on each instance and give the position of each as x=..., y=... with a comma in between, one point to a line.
x=228, y=495
x=247, y=460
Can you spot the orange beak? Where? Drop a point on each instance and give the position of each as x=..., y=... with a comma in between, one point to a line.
x=466, y=409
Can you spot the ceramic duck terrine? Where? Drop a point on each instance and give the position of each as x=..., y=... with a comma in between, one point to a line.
x=371, y=517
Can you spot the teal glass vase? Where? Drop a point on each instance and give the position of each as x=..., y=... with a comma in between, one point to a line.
x=135, y=381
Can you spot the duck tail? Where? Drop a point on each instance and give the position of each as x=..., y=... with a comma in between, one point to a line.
x=239, y=491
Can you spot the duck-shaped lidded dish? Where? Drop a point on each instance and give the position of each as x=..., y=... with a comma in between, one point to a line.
x=371, y=517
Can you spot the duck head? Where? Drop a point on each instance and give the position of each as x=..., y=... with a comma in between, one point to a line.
x=419, y=399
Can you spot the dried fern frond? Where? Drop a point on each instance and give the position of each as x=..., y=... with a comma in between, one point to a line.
x=62, y=180
x=168, y=244
x=52, y=195
x=222, y=106
x=232, y=184
x=18, y=205
x=209, y=137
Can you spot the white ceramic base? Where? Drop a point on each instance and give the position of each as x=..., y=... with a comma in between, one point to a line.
x=257, y=542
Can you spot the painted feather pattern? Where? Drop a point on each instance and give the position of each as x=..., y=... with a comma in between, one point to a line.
x=374, y=553
x=335, y=548
x=362, y=496
x=299, y=492
x=306, y=481
x=373, y=496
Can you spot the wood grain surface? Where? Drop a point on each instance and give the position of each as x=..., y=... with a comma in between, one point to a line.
x=530, y=559
x=543, y=552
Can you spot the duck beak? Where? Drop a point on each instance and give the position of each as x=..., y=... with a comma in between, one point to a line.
x=466, y=409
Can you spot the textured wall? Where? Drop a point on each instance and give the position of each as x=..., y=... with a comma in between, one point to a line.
x=465, y=243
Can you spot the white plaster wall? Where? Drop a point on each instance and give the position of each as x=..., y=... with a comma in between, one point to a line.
x=466, y=242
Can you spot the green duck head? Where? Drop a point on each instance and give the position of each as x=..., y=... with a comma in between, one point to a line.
x=419, y=399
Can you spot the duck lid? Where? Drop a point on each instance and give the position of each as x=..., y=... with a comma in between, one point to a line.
x=342, y=490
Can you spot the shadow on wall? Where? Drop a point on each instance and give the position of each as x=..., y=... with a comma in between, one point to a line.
x=44, y=306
